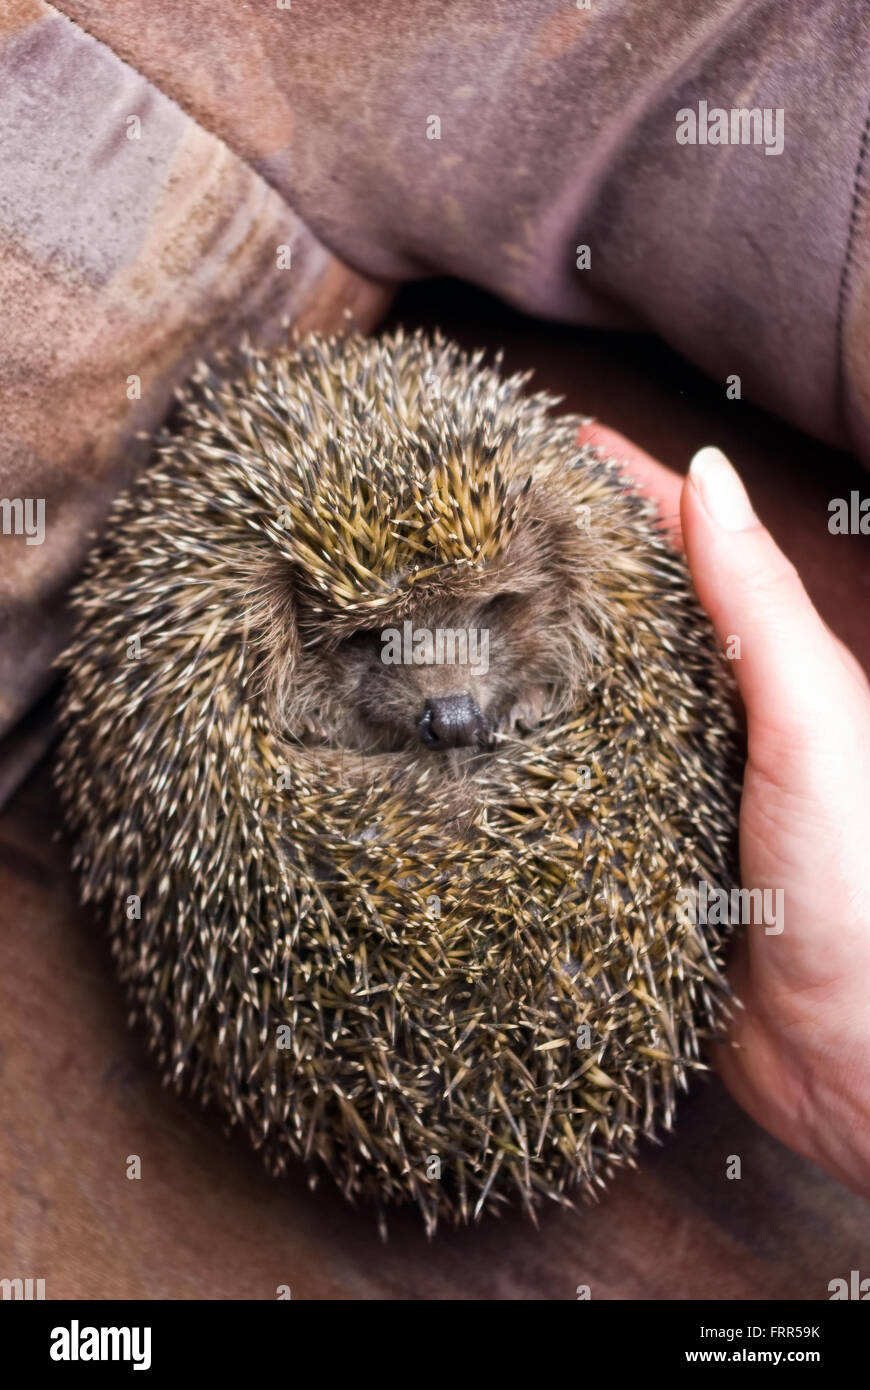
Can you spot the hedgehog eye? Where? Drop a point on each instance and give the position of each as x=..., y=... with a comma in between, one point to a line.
x=363, y=638
x=498, y=604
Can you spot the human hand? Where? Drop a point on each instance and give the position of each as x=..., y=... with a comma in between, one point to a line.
x=800, y=1067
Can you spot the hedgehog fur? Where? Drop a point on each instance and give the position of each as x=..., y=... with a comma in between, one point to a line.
x=458, y=975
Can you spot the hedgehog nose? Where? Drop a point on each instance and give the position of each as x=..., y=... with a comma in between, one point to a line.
x=451, y=721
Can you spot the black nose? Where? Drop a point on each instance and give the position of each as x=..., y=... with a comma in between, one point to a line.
x=451, y=721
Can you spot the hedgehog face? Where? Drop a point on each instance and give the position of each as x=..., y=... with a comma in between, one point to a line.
x=447, y=675
x=479, y=653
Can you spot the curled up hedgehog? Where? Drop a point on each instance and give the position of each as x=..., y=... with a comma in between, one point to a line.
x=393, y=740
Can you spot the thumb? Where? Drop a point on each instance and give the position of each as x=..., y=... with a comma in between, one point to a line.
x=785, y=660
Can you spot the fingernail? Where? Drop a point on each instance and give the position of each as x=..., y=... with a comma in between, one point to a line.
x=724, y=497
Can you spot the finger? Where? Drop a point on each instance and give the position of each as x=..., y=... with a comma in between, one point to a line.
x=786, y=662
x=653, y=479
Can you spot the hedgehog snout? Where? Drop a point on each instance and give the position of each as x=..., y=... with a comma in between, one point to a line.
x=451, y=721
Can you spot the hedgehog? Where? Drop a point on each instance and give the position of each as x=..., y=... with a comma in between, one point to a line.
x=392, y=740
